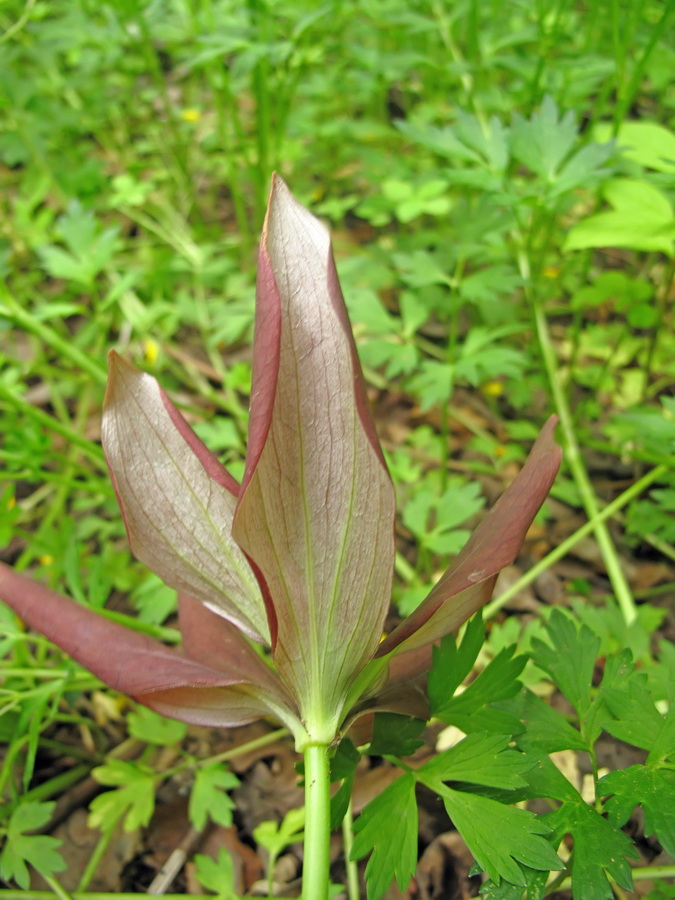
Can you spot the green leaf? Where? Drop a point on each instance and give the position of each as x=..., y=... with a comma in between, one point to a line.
x=478, y=759
x=650, y=787
x=535, y=885
x=545, y=728
x=21, y=848
x=208, y=798
x=471, y=710
x=134, y=798
x=570, y=659
x=217, y=875
x=636, y=720
x=599, y=849
x=342, y=768
x=641, y=219
x=583, y=169
x=543, y=142
x=275, y=836
x=647, y=143
x=316, y=506
x=396, y=735
x=452, y=663
x=499, y=836
x=149, y=726
x=387, y=829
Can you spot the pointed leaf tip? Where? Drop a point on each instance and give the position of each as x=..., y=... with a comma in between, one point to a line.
x=176, y=499
x=137, y=665
x=316, y=510
x=468, y=583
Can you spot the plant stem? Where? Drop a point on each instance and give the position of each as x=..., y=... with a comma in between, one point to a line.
x=578, y=469
x=315, y=878
x=94, y=895
x=348, y=841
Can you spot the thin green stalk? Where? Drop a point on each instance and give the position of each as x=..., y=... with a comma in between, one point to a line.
x=55, y=786
x=316, y=865
x=94, y=860
x=59, y=892
x=20, y=22
x=94, y=895
x=577, y=467
x=626, y=97
x=639, y=873
x=65, y=348
x=348, y=841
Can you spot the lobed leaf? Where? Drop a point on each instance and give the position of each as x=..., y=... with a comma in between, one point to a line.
x=387, y=829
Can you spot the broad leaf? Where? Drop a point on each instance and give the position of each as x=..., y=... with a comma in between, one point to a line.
x=316, y=509
x=134, y=663
x=177, y=500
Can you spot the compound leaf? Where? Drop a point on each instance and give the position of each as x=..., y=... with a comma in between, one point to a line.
x=209, y=798
x=21, y=848
x=500, y=837
x=387, y=829
x=599, y=850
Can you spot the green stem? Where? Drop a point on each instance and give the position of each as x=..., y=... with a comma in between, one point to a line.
x=59, y=892
x=95, y=858
x=576, y=463
x=563, y=549
x=94, y=895
x=348, y=841
x=315, y=878
x=65, y=348
x=641, y=873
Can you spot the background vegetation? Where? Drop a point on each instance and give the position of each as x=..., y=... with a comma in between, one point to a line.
x=499, y=178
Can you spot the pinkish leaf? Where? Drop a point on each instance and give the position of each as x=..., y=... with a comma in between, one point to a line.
x=316, y=510
x=177, y=500
x=137, y=665
x=468, y=583
x=213, y=641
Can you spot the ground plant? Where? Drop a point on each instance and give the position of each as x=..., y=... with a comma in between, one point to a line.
x=499, y=181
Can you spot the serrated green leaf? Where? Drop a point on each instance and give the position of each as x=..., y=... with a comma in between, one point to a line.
x=134, y=799
x=217, y=875
x=21, y=848
x=650, y=787
x=500, y=837
x=536, y=887
x=478, y=759
x=599, y=849
x=570, y=659
x=641, y=219
x=274, y=836
x=387, y=829
x=396, y=735
x=342, y=767
x=149, y=726
x=452, y=663
x=624, y=692
x=647, y=143
x=498, y=681
x=208, y=798
x=544, y=727
x=543, y=142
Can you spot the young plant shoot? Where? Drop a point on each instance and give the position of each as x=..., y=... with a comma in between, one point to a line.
x=299, y=557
